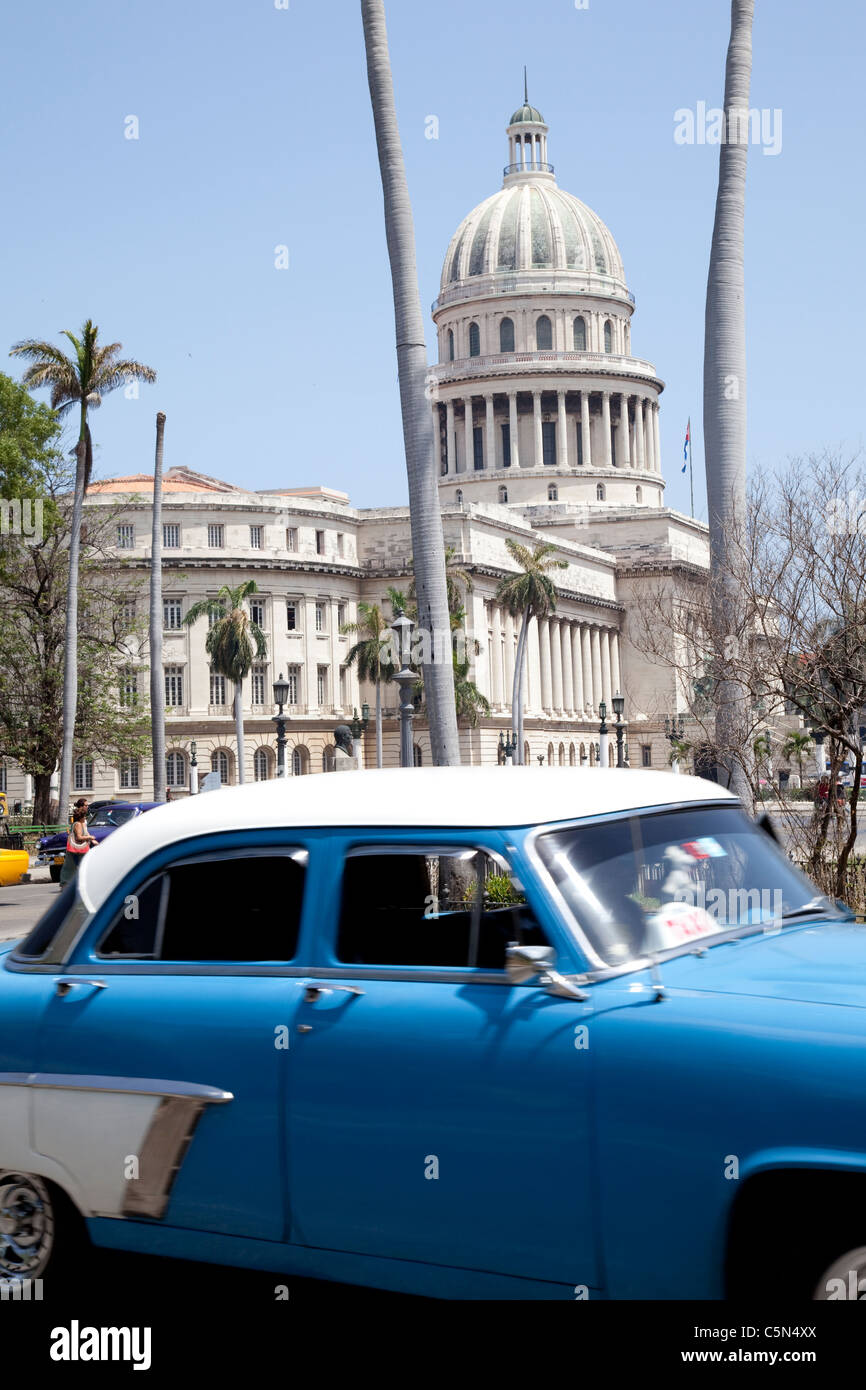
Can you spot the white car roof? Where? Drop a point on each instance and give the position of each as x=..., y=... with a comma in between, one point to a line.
x=445, y=797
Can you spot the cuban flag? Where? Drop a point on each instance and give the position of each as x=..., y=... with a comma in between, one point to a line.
x=687, y=446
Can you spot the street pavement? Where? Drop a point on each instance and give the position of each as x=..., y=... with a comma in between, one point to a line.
x=22, y=906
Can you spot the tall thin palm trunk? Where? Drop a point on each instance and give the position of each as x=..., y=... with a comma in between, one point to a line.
x=157, y=680
x=428, y=545
x=378, y=722
x=725, y=388
x=70, y=653
x=518, y=688
x=239, y=728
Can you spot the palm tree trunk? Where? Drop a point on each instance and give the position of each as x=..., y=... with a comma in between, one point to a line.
x=428, y=546
x=157, y=680
x=517, y=689
x=70, y=653
x=239, y=729
x=378, y=723
x=725, y=388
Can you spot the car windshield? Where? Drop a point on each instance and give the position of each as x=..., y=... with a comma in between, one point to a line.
x=663, y=880
x=113, y=815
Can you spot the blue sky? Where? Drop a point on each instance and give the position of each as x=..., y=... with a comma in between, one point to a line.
x=255, y=131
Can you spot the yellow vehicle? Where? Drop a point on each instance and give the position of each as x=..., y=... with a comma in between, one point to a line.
x=13, y=863
x=4, y=806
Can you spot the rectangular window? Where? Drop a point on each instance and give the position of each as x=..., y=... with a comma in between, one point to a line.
x=217, y=689
x=129, y=772
x=174, y=687
x=126, y=537
x=340, y=543
x=256, y=537
x=129, y=687
x=175, y=770
x=3, y=777
x=291, y=616
x=215, y=537
x=293, y=680
x=321, y=617
x=257, y=611
x=83, y=775
x=579, y=445
x=506, y=446
x=172, y=614
x=320, y=542
x=478, y=448
x=646, y=755
x=438, y=910
x=548, y=442
x=344, y=687
x=259, y=684
x=126, y=614
x=171, y=537
x=342, y=616
x=321, y=686
x=291, y=538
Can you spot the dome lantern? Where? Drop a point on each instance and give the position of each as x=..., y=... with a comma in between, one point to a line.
x=527, y=142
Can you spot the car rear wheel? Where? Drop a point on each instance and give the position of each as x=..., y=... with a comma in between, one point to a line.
x=845, y=1278
x=39, y=1228
x=54, y=870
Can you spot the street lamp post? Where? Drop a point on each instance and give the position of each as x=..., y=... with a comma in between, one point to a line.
x=405, y=678
x=281, y=695
x=675, y=730
x=603, y=738
x=359, y=728
x=193, y=770
x=618, y=707
x=507, y=748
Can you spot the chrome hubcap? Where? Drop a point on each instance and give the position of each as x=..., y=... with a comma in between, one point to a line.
x=26, y=1225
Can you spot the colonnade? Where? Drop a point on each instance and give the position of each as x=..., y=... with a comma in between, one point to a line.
x=572, y=665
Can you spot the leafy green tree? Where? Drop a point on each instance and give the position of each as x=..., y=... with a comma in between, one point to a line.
x=79, y=379
x=371, y=656
x=531, y=593
x=233, y=643
x=797, y=744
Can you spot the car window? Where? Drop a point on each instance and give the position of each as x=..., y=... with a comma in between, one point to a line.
x=239, y=908
x=431, y=909
x=113, y=815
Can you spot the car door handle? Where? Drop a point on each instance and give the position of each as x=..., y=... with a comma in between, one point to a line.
x=313, y=992
x=63, y=987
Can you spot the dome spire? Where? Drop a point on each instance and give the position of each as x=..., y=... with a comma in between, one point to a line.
x=525, y=87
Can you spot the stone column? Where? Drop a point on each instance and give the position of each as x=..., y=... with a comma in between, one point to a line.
x=615, y=673
x=657, y=447
x=561, y=431
x=556, y=663
x=512, y=428
x=605, y=429
x=536, y=422
x=544, y=636
x=623, y=431
x=496, y=695
x=586, y=646
x=508, y=669
x=648, y=427
x=597, y=687
x=490, y=451
x=605, y=669
x=567, y=668
x=577, y=671
x=533, y=679
x=468, y=444
x=584, y=429
x=450, y=450
x=639, y=455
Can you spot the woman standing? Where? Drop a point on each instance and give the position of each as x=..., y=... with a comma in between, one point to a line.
x=78, y=842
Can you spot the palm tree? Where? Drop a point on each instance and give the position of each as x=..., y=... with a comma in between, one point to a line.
x=418, y=436
x=725, y=383
x=81, y=378
x=233, y=643
x=157, y=679
x=468, y=699
x=370, y=656
x=529, y=594
x=796, y=745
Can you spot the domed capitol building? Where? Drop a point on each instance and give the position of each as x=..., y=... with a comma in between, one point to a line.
x=548, y=429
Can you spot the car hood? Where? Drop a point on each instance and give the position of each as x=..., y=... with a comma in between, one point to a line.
x=817, y=962
x=58, y=841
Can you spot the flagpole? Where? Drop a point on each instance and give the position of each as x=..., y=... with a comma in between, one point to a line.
x=691, y=474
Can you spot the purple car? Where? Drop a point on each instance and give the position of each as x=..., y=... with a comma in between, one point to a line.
x=107, y=817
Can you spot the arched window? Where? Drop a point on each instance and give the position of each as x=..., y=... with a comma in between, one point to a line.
x=329, y=758
x=474, y=340
x=450, y=344
x=550, y=755
x=459, y=496
x=580, y=334
x=592, y=755
x=506, y=335
x=300, y=761
x=552, y=493
x=503, y=494
x=544, y=334
x=582, y=755
x=638, y=494
x=572, y=756
x=261, y=765
x=526, y=754
x=417, y=755
x=175, y=769
x=610, y=753
x=221, y=762
x=599, y=492
x=608, y=336
x=562, y=755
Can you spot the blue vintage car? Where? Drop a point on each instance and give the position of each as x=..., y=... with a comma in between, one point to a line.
x=103, y=818
x=530, y=1033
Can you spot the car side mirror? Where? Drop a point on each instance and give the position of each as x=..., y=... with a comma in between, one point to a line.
x=524, y=963
x=764, y=823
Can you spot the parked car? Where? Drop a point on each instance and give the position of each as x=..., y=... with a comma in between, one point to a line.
x=541, y=1033
x=14, y=863
x=103, y=818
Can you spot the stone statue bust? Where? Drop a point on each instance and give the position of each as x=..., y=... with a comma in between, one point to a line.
x=344, y=757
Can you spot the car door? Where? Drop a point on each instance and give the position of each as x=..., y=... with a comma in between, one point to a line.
x=439, y=1112
x=163, y=1046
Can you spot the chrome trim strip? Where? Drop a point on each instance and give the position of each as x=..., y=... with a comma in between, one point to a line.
x=122, y=1085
